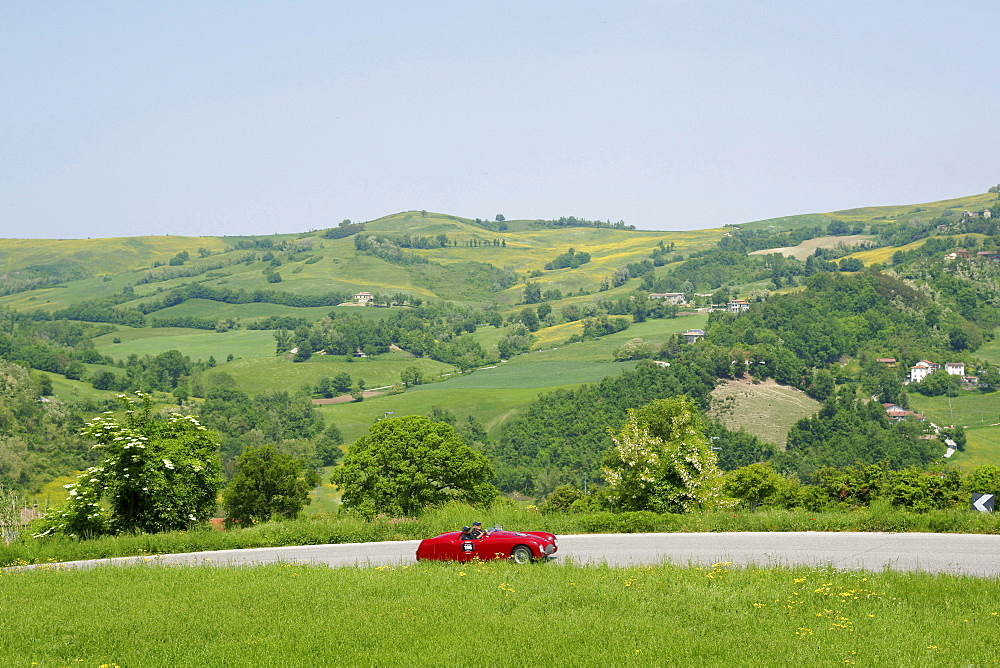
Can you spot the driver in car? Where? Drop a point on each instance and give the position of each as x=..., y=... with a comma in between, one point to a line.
x=477, y=530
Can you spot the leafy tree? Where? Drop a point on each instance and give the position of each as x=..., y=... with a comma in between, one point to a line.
x=571, y=312
x=634, y=349
x=752, y=483
x=45, y=385
x=662, y=461
x=529, y=317
x=736, y=449
x=407, y=463
x=569, y=259
x=342, y=382
x=410, y=376
x=75, y=370
x=822, y=386
x=983, y=479
x=104, y=380
x=157, y=475
x=532, y=293
x=938, y=384
x=282, y=340
x=267, y=483
x=303, y=353
x=566, y=499
x=919, y=490
x=442, y=414
x=328, y=452
x=324, y=388
x=282, y=416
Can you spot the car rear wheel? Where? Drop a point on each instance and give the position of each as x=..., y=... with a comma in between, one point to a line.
x=521, y=555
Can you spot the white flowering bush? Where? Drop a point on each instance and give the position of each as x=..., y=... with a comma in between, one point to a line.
x=157, y=475
x=663, y=462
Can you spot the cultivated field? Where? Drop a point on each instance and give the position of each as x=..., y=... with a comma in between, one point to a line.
x=883, y=255
x=809, y=246
x=767, y=410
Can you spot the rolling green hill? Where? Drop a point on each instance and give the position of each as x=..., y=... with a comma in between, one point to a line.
x=205, y=297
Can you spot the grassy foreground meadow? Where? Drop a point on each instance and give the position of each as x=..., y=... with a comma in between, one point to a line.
x=495, y=613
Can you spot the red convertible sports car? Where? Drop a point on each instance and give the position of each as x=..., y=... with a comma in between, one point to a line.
x=521, y=547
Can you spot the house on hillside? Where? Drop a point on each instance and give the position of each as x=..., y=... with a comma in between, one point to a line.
x=955, y=368
x=897, y=413
x=671, y=297
x=988, y=255
x=888, y=361
x=363, y=297
x=987, y=213
x=922, y=369
x=692, y=335
x=738, y=306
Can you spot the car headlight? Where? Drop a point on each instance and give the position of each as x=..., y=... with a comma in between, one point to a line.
x=550, y=548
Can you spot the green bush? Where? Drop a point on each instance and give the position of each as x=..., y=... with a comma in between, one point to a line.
x=639, y=521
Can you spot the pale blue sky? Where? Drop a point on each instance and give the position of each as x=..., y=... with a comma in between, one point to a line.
x=210, y=118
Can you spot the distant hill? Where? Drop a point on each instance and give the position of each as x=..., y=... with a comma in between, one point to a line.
x=101, y=311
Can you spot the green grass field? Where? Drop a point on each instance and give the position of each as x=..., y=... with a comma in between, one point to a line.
x=254, y=375
x=978, y=413
x=490, y=406
x=198, y=344
x=204, y=308
x=439, y=614
x=551, y=340
x=112, y=255
x=894, y=213
x=876, y=214
x=968, y=409
x=990, y=351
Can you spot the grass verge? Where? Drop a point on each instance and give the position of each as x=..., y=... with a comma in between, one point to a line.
x=321, y=530
x=433, y=614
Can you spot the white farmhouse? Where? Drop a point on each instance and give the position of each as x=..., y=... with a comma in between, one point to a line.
x=922, y=369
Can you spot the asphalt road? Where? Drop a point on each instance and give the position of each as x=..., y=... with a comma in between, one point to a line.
x=969, y=554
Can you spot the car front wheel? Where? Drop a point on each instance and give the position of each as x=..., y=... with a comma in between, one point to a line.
x=521, y=555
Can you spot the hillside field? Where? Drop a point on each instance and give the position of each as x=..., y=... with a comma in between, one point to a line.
x=809, y=246
x=767, y=410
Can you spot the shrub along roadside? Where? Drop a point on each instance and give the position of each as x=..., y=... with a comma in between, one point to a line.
x=348, y=529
